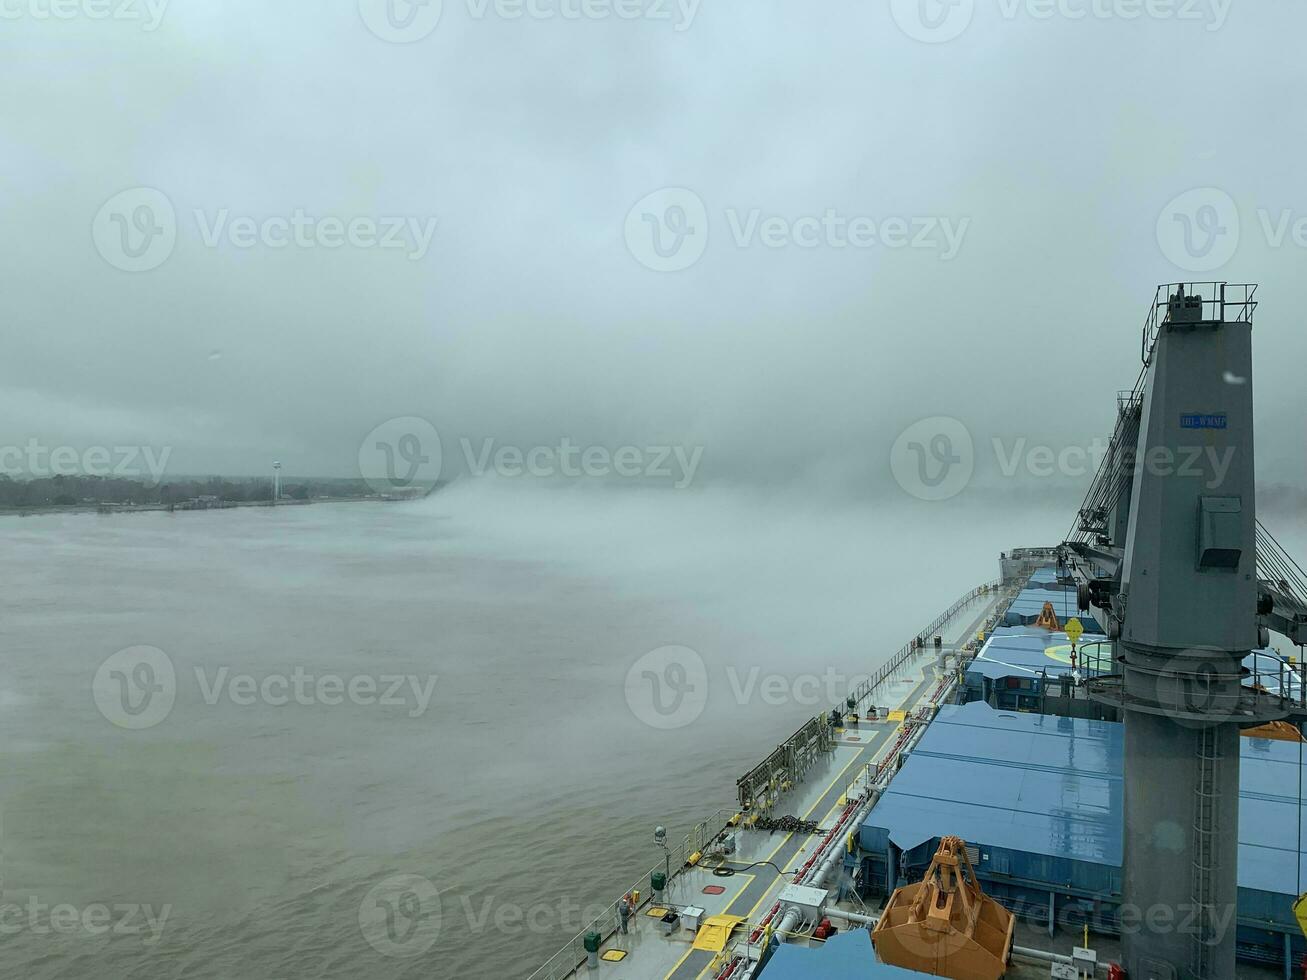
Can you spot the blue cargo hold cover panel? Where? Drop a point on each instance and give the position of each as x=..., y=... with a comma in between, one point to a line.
x=846, y=956
x=1034, y=783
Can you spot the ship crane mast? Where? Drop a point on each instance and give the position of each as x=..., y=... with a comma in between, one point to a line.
x=1168, y=546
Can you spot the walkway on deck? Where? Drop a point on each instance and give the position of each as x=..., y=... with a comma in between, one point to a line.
x=763, y=865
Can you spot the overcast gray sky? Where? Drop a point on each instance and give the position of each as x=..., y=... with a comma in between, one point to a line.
x=1016, y=192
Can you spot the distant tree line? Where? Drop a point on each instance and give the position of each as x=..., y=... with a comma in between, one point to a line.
x=74, y=491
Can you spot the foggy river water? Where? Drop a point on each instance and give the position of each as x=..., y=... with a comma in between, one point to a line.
x=327, y=713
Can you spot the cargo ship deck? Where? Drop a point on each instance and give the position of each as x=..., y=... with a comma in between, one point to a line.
x=729, y=908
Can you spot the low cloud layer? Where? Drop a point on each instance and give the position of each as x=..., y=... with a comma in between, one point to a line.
x=776, y=238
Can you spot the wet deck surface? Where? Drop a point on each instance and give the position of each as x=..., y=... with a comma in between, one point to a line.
x=763, y=860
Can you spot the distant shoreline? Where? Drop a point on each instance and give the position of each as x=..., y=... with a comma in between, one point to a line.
x=112, y=509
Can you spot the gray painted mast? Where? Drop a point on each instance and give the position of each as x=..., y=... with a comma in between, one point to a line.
x=1185, y=619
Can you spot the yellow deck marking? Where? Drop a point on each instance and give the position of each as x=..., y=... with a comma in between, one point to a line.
x=688, y=953
x=838, y=806
x=672, y=972
x=786, y=839
x=806, y=816
x=716, y=931
x=738, y=892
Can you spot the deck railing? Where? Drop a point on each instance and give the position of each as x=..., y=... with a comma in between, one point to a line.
x=914, y=646
x=572, y=956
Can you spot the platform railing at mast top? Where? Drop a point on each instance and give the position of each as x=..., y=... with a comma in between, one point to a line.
x=1219, y=302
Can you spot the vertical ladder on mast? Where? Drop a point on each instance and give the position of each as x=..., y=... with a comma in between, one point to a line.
x=1206, y=795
